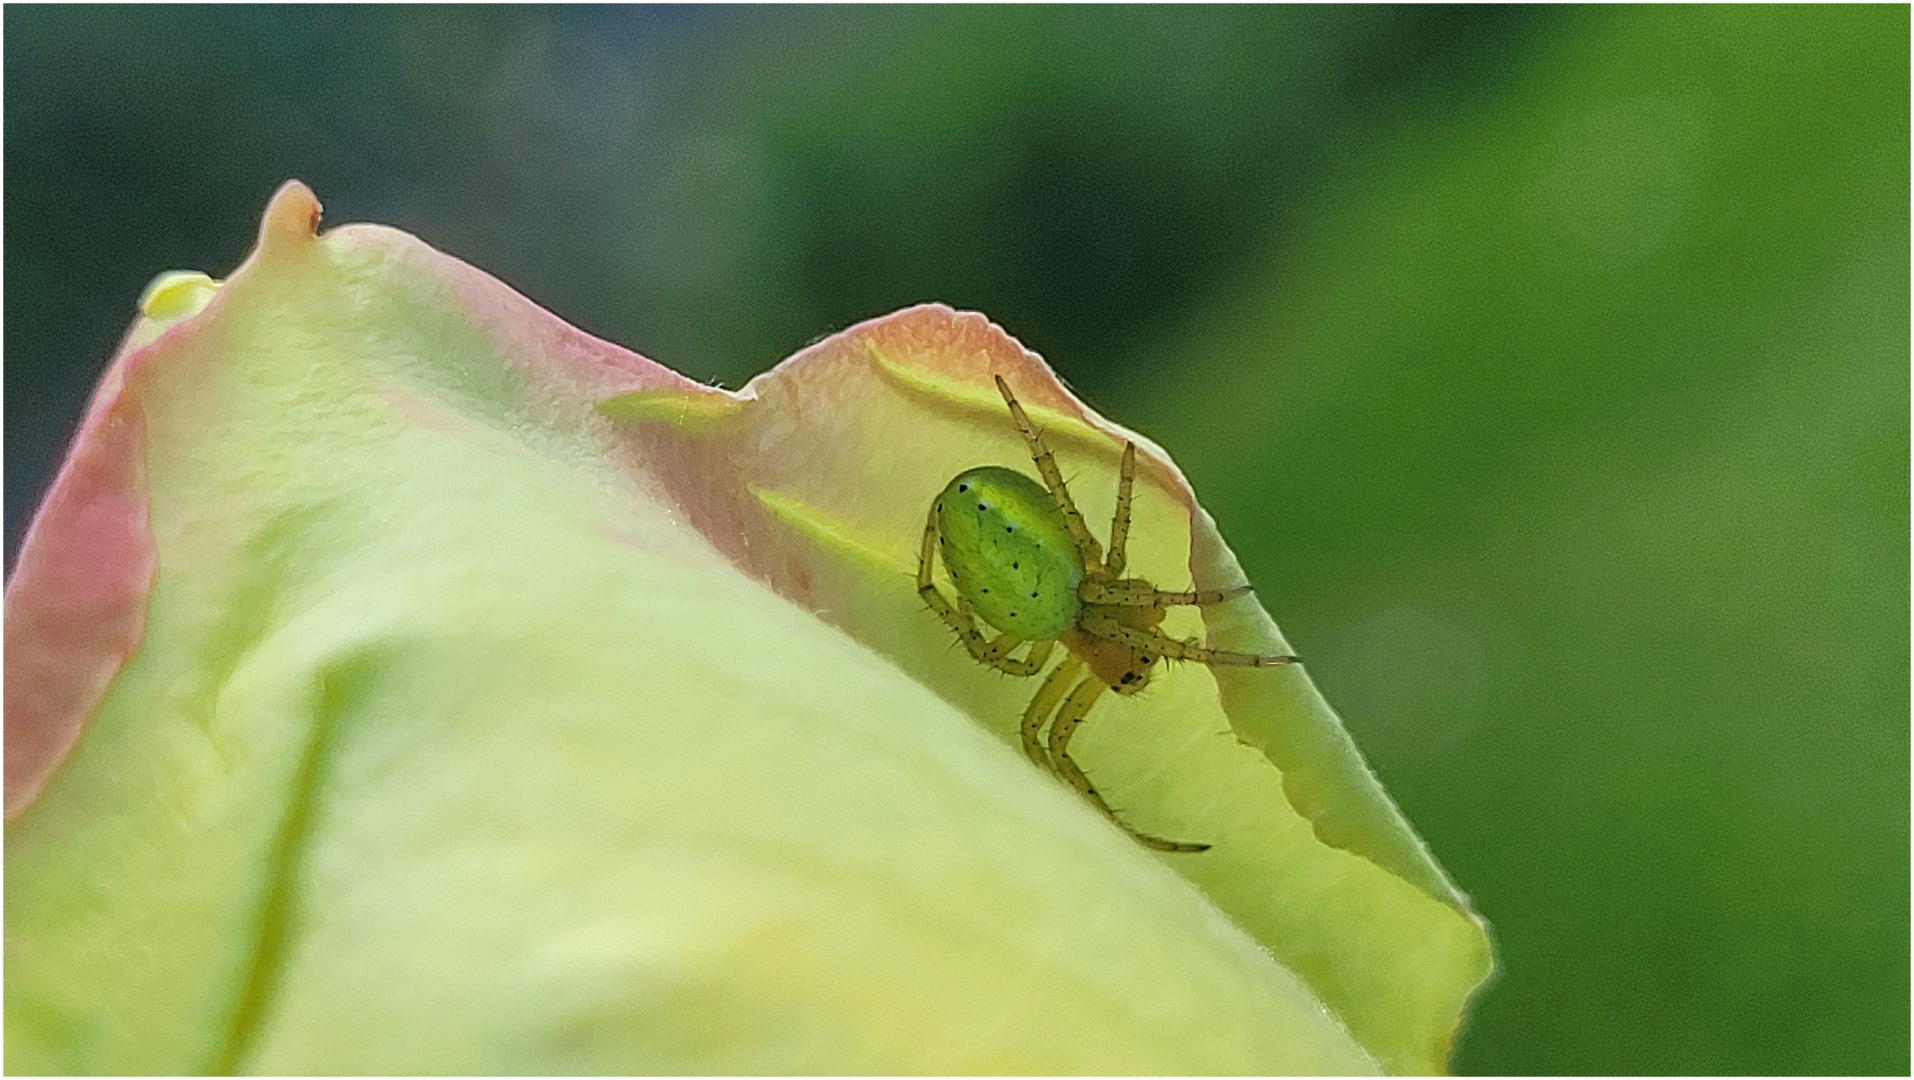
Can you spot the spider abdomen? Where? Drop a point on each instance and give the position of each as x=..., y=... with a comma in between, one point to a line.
x=1009, y=553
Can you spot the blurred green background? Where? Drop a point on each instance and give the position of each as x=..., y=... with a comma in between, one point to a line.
x=1548, y=368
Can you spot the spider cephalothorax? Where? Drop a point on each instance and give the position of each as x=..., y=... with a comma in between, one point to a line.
x=1022, y=560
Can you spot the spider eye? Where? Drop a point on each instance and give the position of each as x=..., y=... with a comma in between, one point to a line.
x=963, y=487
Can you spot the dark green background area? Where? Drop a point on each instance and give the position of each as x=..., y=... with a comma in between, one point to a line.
x=1548, y=368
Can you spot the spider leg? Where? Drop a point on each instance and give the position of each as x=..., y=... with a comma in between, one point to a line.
x=1053, y=479
x=993, y=651
x=1032, y=661
x=1156, y=644
x=1043, y=705
x=1120, y=524
x=1074, y=709
x=1134, y=592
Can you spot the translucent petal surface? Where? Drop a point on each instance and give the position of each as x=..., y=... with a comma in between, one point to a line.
x=459, y=716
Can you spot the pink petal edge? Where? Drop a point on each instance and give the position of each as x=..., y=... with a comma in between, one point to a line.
x=76, y=605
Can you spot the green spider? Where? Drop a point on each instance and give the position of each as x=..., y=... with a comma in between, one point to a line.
x=1023, y=561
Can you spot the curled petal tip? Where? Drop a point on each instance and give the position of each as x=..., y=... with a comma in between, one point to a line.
x=292, y=216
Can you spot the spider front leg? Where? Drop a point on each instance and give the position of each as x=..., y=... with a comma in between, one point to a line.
x=1157, y=644
x=1075, y=708
x=1120, y=524
x=1135, y=592
x=993, y=651
x=1087, y=545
